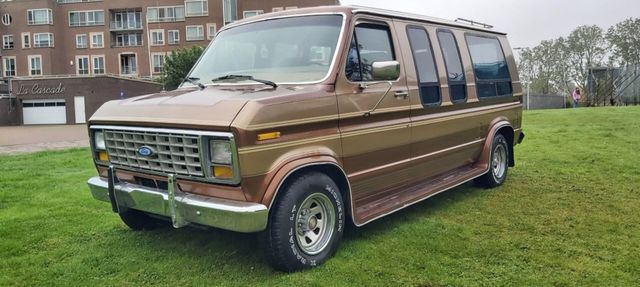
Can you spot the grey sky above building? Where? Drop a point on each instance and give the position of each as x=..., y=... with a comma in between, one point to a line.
x=526, y=21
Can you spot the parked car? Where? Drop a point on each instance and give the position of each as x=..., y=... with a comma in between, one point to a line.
x=293, y=124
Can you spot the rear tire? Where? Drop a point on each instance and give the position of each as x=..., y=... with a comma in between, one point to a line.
x=138, y=220
x=498, y=164
x=306, y=223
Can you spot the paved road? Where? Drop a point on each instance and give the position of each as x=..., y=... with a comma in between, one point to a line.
x=26, y=139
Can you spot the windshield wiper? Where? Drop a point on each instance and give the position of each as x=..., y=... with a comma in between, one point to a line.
x=245, y=77
x=194, y=80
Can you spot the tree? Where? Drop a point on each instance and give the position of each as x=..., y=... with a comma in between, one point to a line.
x=586, y=47
x=625, y=39
x=178, y=64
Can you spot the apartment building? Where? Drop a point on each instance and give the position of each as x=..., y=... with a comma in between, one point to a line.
x=62, y=59
x=122, y=37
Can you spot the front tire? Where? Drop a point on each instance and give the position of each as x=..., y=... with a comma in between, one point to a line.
x=498, y=164
x=306, y=224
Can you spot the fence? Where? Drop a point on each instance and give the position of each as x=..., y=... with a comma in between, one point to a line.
x=614, y=86
x=541, y=101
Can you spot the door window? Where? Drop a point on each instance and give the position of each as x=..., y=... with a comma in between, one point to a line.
x=370, y=43
x=455, y=73
x=425, y=66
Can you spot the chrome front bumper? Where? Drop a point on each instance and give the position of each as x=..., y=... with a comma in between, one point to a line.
x=182, y=208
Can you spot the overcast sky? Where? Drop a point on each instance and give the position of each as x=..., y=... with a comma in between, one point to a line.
x=526, y=21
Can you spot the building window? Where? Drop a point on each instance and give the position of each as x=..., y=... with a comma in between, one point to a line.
x=128, y=64
x=230, y=11
x=39, y=17
x=165, y=14
x=157, y=37
x=86, y=18
x=211, y=30
x=9, y=66
x=35, y=65
x=81, y=41
x=82, y=67
x=127, y=40
x=7, y=42
x=98, y=65
x=42, y=40
x=251, y=13
x=158, y=62
x=26, y=40
x=196, y=8
x=7, y=19
x=97, y=40
x=195, y=33
x=126, y=20
x=174, y=37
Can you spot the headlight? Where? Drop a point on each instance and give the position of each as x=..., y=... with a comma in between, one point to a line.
x=98, y=139
x=220, y=152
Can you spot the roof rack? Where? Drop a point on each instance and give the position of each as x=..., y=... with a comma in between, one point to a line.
x=474, y=23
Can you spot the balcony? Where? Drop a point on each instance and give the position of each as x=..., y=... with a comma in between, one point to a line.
x=125, y=26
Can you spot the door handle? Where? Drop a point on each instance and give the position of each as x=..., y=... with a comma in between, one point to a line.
x=401, y=95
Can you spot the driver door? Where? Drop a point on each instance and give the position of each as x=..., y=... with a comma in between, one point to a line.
x=374, y=114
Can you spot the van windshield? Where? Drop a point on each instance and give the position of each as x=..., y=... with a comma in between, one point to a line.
x=285, y=50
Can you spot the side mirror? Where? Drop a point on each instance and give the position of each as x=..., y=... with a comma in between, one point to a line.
x=385, y=70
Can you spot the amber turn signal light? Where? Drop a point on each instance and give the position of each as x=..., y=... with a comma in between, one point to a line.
x=268, y=136
x=103, y=156
x=223, y=172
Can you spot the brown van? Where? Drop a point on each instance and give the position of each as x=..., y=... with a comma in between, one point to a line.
x=294, y=123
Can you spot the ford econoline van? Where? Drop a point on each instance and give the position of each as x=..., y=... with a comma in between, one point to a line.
x=298, y=123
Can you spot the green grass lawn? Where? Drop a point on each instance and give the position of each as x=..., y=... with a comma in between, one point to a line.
x=568, y=215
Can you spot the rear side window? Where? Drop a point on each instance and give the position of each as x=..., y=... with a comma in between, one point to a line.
x=370, y=43
x=455, y=73
x=425, y=66
x=490, y=67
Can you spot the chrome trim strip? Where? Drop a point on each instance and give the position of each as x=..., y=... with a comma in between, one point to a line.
x=161, y=130
x=422, y=199
x=215, y=212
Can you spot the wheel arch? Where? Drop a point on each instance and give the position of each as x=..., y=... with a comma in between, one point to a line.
x=329, y=167
x=498, y=126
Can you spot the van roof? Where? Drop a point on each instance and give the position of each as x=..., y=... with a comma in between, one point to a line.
x=365, y=10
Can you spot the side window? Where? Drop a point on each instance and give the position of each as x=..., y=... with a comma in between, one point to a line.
x=455, y=73
x=425, y=65
x=490, y=67
x=371, y=43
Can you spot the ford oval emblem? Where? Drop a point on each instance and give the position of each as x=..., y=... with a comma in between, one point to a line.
x=145, y=151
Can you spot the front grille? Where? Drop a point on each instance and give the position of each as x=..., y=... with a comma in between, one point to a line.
x=174, y=153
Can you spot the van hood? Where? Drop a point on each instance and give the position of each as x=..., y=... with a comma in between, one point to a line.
x=215, y=107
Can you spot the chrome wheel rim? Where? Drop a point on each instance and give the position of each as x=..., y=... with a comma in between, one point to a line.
x=499, y=161
x=315, y=221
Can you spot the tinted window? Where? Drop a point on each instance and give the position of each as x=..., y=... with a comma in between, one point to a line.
x=372, y=44
x=425, y=65
x=455, y=73
x=490, y=67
